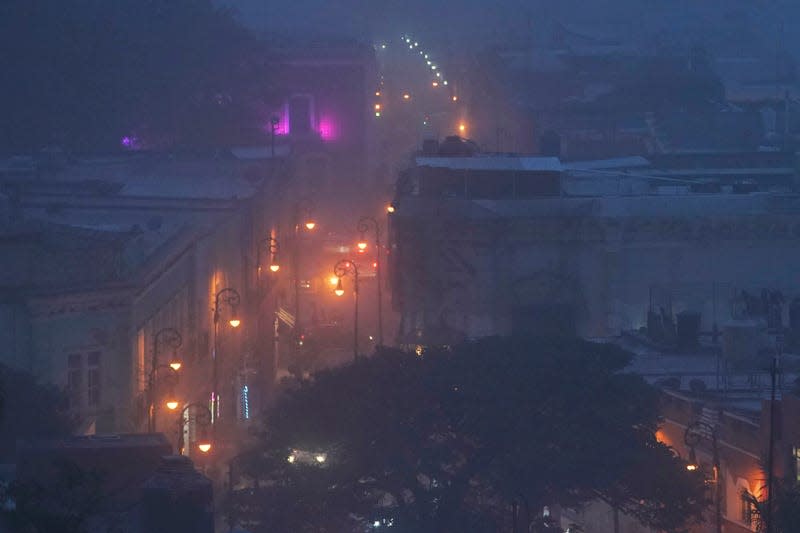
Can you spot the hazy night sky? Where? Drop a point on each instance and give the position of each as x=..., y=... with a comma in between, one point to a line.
x=720, y=24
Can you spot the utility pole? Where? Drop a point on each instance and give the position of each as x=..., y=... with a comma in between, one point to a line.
x=771, y=451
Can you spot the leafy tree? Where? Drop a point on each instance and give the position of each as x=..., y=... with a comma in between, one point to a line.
x=29, y=409
x=446, y=441
x=785, y=507
x=83, y=74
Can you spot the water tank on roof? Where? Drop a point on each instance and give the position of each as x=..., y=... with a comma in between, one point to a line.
x=457, y=146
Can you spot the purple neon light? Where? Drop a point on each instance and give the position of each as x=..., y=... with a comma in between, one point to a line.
x=328, y=129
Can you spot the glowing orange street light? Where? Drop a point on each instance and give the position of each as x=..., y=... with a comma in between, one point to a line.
x=339, y=289
x=311, y=225
x=333, y=280
x=234, y=322
x=406, y=96
x=362, y=246
x=462, y=127
x=455, y=98
x=377, y=93
x=175, y=365
x=377, y=107
x=435, y=84
x=390, y=208
x=274, y=265
x=204, y=446
x=172, y=405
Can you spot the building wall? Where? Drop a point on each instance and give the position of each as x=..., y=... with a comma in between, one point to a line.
x=80, y=344
x=472, y=275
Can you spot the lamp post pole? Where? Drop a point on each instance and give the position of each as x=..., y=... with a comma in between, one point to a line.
x=270, y=245
x=341, y=269
x=364, y=225
x=273, y=123
x=203, y=421
x=691, y=438
x=232, y=299
x=303, y=206
x=171, y=404
x=172, y=339
x=774, y=369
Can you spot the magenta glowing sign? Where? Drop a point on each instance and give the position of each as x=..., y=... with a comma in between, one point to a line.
x=281, y=127
x=328, y=129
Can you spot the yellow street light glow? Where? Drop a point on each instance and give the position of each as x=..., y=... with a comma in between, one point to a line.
x=377, y=107
x=691, y=467
x=462, y=128
x=204, y=447
x=455, y=98
x=406, y=96
x=311, y=225
x=175, y=365
x=290, y=459
x=377, y=93
x=362, y=245
x=339, y=291
x=320, y=458
x=234, y=322
x=390, y=208
x=333, y=280
x=172, y=405
x=435, y=84
x=274, y=267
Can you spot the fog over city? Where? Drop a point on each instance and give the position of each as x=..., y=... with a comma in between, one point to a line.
x=407, y=266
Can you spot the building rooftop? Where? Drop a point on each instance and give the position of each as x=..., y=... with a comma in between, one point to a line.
x=493, y=162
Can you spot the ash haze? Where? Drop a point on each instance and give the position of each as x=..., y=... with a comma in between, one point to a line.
x=399, y=266
x=477, y=23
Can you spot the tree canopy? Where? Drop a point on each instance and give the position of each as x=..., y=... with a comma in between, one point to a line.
x=446, y=441
x=88, y=74
x=29, y=409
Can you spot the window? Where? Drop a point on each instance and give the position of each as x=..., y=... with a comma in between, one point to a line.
x=74, y=380
x=93, y=379
x=83, y=370
x=796, y=456
x=749, y=510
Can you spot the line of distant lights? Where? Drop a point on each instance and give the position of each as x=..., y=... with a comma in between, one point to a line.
x=436, y=82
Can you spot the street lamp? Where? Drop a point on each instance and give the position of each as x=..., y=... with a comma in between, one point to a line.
x=171, y=338
x=340, y=270
x=153, y=384
x=270, y=245
x=203, y=418
x=231, y=298
x=365, y=224
x=695, y=432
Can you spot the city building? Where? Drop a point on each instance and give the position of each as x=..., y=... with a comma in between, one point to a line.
x=102, y=254
x=488, y=244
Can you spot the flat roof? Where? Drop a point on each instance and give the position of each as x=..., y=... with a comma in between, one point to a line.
x=529, y=164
